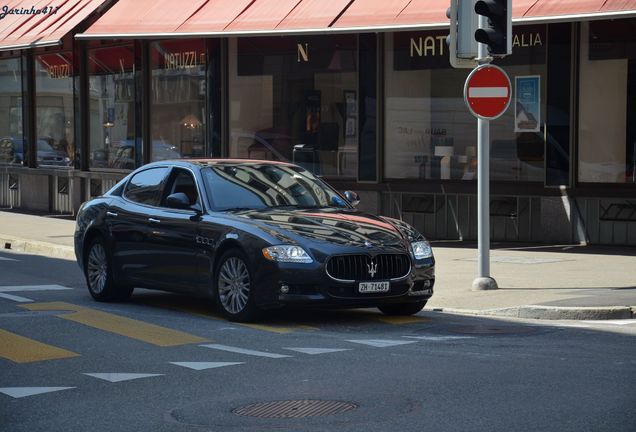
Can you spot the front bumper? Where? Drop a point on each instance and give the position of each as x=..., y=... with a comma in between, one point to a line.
x=279, y=284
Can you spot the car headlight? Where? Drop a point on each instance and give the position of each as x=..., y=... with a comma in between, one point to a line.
x=287, y=253
x=421, y=249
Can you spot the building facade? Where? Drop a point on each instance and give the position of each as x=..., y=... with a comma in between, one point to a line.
x=360, y=92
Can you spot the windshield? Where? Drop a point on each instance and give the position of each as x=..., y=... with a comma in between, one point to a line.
x=259, y=186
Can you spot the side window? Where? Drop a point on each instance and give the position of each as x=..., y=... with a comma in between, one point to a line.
x=183, y=182
x=145, y=187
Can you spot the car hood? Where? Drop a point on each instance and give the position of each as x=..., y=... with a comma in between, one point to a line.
x=346, y=227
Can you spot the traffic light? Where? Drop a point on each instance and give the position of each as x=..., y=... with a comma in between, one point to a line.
x=497, y=31
x=462, y=46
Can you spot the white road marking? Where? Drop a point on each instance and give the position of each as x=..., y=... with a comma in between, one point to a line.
x=438, y=338
x=487, y=92
x=205, y=365
x=382, y=343
x=7, y=259
x=15, y=298
x=22, y=288
x=314, y=351
x=118, y=377
x=20, y=392
x=244, y=351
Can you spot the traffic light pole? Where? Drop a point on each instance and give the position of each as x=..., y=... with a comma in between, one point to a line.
x=483, y=281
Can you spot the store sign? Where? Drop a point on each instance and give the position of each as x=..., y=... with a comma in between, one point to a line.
x=183, y=60
x=428, y=50
x=59, y=71
x=303, y=52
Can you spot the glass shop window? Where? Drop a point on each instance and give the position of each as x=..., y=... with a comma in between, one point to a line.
x=429, y=131
x=178, y=108
x=54, y=116
x=295, y=99
x=111, y=77
x=11, y=136
x=607, y=102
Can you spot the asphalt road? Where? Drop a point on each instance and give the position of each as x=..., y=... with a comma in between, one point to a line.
x=163, y=362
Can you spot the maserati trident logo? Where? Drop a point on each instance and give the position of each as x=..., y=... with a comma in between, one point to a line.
x=372, y=268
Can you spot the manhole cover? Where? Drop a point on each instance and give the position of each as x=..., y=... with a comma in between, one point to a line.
x=294, y=409
x=492, y=330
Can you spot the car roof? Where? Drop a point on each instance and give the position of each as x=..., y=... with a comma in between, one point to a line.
x=203, y=162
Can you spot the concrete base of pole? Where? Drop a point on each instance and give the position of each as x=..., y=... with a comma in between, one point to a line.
x=484, y=283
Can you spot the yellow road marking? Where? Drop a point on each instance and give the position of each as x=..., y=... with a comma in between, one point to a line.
x=20, y=349
x=205, y=311
x=134, y=329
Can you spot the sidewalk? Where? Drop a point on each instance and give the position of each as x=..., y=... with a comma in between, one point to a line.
x=542, y=282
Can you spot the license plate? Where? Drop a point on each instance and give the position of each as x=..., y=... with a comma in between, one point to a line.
x=373, y=287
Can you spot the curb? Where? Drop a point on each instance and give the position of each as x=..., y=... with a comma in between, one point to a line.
x=552, y=312
x=37, y=248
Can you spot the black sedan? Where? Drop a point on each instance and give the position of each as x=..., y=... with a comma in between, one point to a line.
x=254, y=235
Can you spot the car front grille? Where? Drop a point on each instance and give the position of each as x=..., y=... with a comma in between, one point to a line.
x=368, y=268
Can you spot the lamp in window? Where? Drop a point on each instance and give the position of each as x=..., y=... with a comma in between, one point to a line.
x=191, y=122
x=109, y=118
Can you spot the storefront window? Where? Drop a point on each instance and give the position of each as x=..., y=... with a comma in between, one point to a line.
x=11, y=139
x=178, y=109
x=54, y=110
x=295, y=99
x=607, y=102
x=429, y=131
x=112, y=107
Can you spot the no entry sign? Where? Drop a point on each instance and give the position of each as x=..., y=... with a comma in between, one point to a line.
x=487, y=92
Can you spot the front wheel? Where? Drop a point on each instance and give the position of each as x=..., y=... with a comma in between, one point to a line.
x=402, y=309
x=99, y=274
x=235, y=293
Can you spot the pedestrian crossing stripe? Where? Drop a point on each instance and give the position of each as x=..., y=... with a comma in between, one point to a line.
x=205, y=365
x=134, y=329
x=119, y=377
x=314, y=351
x=20, y=392
x=20, y=349
x=381, y=343
x=238, y=350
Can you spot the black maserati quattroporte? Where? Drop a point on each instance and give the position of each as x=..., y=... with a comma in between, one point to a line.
x=254, y=235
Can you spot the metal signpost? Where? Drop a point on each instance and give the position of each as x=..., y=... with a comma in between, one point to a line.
x=487, y=93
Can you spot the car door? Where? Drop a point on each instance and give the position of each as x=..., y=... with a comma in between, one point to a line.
x=127, y=219
x=171, y=242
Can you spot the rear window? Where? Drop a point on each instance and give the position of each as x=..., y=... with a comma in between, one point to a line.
x=146, y=186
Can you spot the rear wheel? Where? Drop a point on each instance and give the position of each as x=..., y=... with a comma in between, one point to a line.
x=234, y=292
x=402, y=309
x=99, y=274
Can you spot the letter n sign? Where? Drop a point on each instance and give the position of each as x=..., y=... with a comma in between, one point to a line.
x=303, y=52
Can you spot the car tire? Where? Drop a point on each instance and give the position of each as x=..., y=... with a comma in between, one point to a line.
x=98, y=270
x=234, y=289
x=402, y=309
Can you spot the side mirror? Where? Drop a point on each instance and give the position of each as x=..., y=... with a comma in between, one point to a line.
x=352, y=197
x=178, y=200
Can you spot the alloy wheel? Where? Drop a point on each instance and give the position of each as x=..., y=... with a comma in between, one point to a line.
x=97, y=268
x=234, y=285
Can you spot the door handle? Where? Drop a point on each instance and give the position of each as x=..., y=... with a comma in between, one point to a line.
x=111, y=214
x=153, y=220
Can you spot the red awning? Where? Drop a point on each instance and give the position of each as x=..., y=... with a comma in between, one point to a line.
x=43, y=22
x=199, y=18
x=146, y=16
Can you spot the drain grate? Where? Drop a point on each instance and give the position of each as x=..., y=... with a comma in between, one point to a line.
x=294, y=409
x=487, y=329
